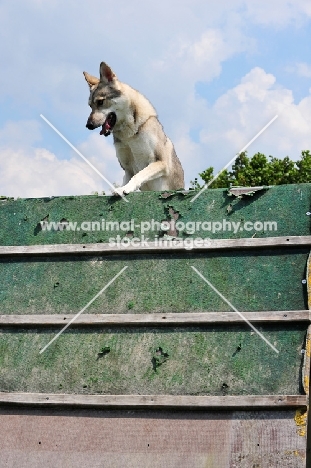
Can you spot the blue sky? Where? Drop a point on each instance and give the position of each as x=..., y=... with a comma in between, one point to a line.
x=216, y=73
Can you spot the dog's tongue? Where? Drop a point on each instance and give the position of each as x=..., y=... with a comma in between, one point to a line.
x=108, y=125
x=105, y=128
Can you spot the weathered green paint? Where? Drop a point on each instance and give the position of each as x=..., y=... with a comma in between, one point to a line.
x=205, y=360
x=256, y=280
x=287, y=205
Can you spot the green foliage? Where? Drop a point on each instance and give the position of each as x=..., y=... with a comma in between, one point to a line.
x=258, y=170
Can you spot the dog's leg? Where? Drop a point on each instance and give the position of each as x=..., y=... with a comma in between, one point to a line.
x=151, y=172
x=127, y=177
x=125, y=157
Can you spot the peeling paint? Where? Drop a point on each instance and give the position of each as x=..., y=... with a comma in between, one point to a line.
x=172, y=216
x=308, y=345
x=306, y=384
x=309, y=284
x=159, y=357
x=185, y=193
x=301, y=421
x=248, y=191
x=307, y=354
x=306, y=362
x=229, y=208
x=166, y=195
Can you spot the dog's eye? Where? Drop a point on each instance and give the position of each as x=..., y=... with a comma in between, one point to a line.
x=100, y=102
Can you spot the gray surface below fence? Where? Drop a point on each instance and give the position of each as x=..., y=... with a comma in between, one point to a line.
x=39, y=438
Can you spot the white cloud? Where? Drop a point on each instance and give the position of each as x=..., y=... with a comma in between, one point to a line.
x=101, y=153
x=21, y=133
x=201, y=58
x=29, y=171
x=191, y=154
x=302, y=69
x=278, y=12
x=239, y=114
x=36, y=172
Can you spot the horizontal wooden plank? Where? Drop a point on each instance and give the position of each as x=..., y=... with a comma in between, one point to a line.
x=162, y=245
x=186, y=318
x=154, y=401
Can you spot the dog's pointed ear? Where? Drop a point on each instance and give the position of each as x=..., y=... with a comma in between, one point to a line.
x=106, y=74
x=91, y=80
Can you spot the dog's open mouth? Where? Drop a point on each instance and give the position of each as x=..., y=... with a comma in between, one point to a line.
x=109, y=123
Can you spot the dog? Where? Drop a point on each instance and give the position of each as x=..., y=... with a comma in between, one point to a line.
x=145, y=153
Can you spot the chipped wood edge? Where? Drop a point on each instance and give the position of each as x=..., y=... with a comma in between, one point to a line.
x=307, y=354
x=309, y=281
x=154, y=401
x=162, y=245
x=306, y=362
x=182, y=318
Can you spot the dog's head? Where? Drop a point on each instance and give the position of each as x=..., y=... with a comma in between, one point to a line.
x=103, y=100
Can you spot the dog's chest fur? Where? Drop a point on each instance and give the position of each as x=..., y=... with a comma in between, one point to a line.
x=136, y=152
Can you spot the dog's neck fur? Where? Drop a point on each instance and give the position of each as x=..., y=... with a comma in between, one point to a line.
x=129, y=126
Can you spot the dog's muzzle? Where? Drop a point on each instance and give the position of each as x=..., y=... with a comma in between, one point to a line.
x=107, y=126
x=90, y=126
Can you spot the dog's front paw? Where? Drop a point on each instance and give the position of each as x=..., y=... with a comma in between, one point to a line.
x=121, y=191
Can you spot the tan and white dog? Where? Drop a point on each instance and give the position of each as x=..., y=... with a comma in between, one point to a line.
x=145, y=153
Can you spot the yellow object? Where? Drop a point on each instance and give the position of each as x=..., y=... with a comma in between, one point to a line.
x=301, y=421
